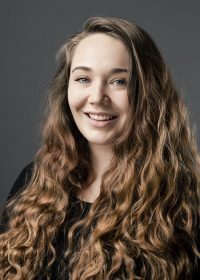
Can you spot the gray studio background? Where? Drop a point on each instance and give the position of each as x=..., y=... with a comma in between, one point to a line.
x=31, y=32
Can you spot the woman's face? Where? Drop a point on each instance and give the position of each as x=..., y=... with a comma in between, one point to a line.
x=97, y=92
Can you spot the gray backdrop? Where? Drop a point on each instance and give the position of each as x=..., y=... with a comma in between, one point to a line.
x=31, y=32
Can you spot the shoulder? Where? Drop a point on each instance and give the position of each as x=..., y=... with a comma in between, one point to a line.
x=22, y=179
x=19, y=184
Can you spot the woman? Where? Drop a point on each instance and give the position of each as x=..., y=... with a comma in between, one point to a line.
x=113, y=192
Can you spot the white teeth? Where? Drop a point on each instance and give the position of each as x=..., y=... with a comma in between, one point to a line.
x=100, y=117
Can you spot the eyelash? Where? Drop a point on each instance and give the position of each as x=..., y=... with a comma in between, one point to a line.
x=79, y=80
x=121, y=80
x=87, y=80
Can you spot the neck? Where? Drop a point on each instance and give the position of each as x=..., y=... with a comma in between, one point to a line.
x=101, y=157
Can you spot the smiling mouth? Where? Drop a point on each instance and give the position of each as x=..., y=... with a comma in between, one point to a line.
x=101, y=117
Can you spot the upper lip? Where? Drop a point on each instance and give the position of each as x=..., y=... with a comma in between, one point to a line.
x=100, y=113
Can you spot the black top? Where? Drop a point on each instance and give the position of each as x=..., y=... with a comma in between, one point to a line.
x=59, y=268
x=76, y=213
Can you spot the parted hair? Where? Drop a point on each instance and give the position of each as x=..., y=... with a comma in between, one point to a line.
x=145, y=222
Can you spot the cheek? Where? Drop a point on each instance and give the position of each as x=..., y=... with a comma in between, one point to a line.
x=123, y=103
x=75, y=99
x=72, y=99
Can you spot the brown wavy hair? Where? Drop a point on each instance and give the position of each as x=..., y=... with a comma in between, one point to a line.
x=145, y=221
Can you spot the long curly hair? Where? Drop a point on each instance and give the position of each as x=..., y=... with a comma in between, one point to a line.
x=144, y=223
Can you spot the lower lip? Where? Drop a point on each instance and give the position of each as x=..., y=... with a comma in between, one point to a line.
x=101, y=123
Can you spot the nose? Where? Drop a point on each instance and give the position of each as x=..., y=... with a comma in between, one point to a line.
x=98, y=94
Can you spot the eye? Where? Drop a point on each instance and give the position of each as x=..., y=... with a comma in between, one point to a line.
x=120, y=82
x=82, y=80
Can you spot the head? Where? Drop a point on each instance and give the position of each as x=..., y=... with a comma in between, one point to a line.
x=98, y=91
x=111, y=67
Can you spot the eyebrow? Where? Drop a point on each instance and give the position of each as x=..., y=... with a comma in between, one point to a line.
x=112, y=71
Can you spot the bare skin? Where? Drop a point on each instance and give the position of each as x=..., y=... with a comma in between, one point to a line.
x=101, y=157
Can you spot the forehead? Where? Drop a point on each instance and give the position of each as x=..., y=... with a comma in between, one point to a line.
x=100, y=49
